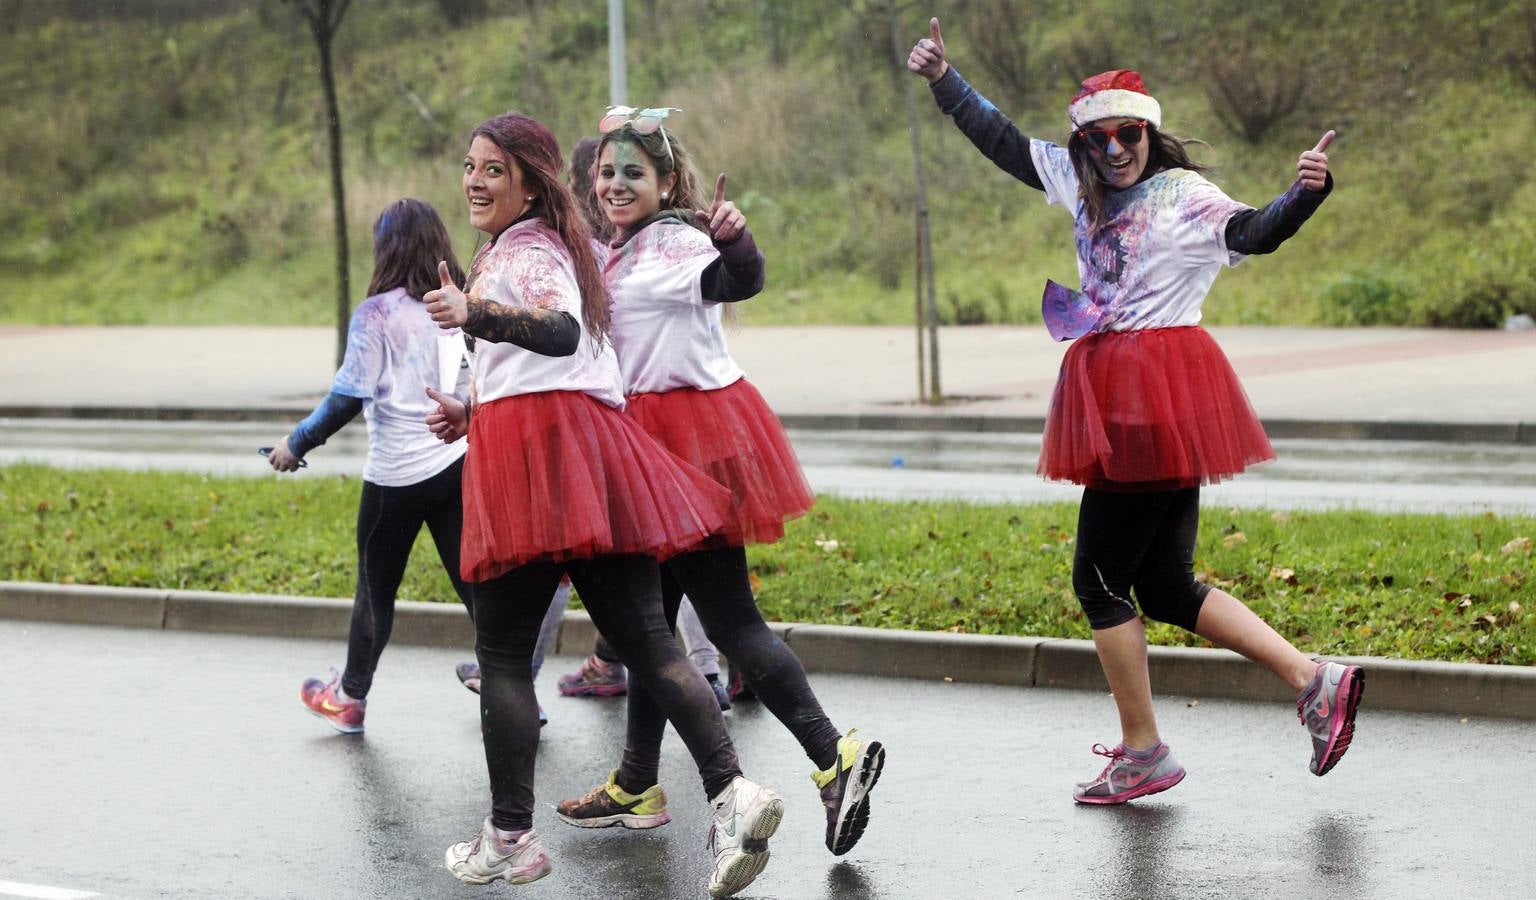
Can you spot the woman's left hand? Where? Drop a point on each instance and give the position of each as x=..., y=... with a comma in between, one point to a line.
x=1312, y=168
x=724, y=221
x=447, y=305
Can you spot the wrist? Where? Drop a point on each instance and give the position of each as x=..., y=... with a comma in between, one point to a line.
x=943, y=70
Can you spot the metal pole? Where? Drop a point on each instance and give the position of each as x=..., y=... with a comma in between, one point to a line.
x=924, y=236
x=618, y=89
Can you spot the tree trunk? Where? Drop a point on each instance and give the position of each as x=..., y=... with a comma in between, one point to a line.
x=338, y=193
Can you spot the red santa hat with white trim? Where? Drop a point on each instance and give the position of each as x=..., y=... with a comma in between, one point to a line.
x=1114, y=94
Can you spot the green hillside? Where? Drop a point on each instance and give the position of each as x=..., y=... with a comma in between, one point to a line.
x=166, y=162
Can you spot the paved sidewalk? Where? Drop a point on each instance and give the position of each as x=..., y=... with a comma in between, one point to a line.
x=1360, y=377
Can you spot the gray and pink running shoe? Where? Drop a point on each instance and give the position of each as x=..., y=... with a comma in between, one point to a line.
x=1128, y=777
x=1327, y=707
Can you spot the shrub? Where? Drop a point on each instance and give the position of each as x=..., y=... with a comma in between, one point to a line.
x=1366, y=298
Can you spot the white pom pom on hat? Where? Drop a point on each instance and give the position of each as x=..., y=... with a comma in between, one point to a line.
x=1118, y=93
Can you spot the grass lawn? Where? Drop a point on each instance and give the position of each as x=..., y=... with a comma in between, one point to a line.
x=1413, y=586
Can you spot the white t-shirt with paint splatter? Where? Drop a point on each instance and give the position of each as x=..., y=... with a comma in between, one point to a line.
x=391, y=360
x=666, y=334
x=529, y=266
x=1154, y=261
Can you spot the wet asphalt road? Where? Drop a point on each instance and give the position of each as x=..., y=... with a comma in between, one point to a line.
x=168, y=764
x=1407, y=476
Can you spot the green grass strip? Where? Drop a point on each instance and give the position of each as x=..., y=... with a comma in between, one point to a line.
x=1341, y=582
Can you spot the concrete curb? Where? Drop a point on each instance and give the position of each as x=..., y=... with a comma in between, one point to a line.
x=1459, y=689
x=939, y=420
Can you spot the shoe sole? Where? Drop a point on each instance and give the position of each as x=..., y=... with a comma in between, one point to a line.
x=1353, y=687
x=1145, y=788
x=628, y=820
x=855, y=816
x=752, y=858
x=597, y=690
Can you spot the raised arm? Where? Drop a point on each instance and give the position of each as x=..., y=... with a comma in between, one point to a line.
x=993, y=133
x=545, y=331
x=738, y=272
x=1255, y=231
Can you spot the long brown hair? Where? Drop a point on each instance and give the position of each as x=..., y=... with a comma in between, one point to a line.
x=687, y=194
x=583, y=173
x=409, y=237
x=1164, y=151
x=537, y=154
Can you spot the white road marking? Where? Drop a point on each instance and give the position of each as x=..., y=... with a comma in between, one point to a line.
x=41, y=891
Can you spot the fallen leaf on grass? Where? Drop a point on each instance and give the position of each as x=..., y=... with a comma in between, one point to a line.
x=1233, y=539
x=1518, y=545
x=1276, y=573
x=828, y=545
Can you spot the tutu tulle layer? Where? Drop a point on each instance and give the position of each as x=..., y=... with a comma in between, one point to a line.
x=732, y=436
x=1148, y=410
x=557, y=476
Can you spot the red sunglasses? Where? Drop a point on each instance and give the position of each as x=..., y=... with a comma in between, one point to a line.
x=1127, y=135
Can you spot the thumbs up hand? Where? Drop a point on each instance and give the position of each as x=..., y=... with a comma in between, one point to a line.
x=447, y=305
x=927, y=57
x=1312, y=167
x=724, y=221
x=450, y=421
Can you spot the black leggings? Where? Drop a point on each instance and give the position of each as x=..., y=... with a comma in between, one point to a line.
x=717, y=583
x=1143, y=542
x=388, y=520
x=623, y=596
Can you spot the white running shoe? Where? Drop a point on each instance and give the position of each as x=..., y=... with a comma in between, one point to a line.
x=745, y=816
x=487, y=857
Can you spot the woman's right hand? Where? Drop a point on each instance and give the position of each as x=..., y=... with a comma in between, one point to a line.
x=927, y=57
x=447, y=305
x=450, y=421
x=281, y=458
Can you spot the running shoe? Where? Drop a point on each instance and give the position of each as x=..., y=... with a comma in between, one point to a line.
x=469, y=675
x=487, y=857
x=608, y=805
x=320, y=698
x=1327, y=707
x=745, y=816
x=721, y=695
x=845, y=789
x=595, y=678
x=1128, y=777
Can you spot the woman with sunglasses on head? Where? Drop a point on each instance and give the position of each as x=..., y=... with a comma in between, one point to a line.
x=674, y=259
x=558, y=481
x=1147, y=407
x=410, y=479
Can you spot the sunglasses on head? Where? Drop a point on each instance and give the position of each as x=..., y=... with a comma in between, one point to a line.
x=643, y=121
x=1126, y=135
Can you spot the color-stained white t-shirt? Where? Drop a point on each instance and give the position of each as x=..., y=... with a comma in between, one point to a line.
x=391, y=359
x=1165, y=242
x=666, y=334
x=528, y=266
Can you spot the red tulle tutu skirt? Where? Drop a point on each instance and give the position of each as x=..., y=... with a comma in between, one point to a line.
x=1150, y=409
x=732, y=436
x=557, y=476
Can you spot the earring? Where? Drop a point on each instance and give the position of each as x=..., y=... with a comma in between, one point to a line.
x=663, y=195
x=530, y=198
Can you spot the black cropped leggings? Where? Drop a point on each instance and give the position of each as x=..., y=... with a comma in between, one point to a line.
x=1141, y=543
x=388, y=520
x=717, y=583
x=623, y=596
